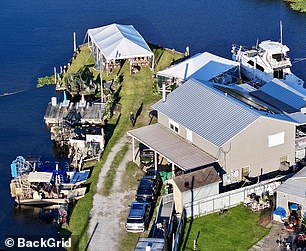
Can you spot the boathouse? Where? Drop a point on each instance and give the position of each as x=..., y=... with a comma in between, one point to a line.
x=116, y=42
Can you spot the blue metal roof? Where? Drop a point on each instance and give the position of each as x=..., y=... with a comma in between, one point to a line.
x=281, y=96
x=206, y=111
x=298, y=117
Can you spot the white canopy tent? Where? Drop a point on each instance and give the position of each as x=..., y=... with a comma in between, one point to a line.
x=113, y=42
x=202, y=66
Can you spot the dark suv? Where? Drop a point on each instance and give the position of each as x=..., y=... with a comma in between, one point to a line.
x=147, y=190
x=139, y=217
x=154, y=176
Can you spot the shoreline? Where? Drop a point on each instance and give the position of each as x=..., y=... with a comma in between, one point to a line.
x=297, y=5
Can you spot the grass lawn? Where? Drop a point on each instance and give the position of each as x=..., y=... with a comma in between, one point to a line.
x=236, y=229
x=135, y=95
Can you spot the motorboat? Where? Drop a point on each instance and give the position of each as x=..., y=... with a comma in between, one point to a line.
x=266, y=61
x=35, y=184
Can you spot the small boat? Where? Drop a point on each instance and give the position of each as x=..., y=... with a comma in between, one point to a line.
x=55, y=213
x=266, y=61
x=33, y=184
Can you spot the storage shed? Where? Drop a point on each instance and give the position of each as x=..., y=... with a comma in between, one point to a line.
x=293, y=191
x=194, y=186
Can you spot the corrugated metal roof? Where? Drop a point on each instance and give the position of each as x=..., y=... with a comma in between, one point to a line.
x=281, y=96
x=172, y=146
x=202, y=66
x=296, y=185
x=207, y=112
x=197, y=179
x=298, y=117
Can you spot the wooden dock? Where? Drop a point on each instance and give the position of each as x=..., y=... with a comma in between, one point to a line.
x=79, y=112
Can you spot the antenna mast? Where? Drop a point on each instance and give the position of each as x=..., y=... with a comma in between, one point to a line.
x=281, y=31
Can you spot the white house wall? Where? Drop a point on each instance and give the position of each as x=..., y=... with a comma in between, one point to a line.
x=251, y=147
x=196, y=139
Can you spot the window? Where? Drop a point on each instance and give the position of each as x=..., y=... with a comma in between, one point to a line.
x=250, y=62
x=276, y=139
x=174, y=126
x=259, y=67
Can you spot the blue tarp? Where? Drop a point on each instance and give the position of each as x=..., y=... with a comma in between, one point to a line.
x=294, y=207
x=80, y=176
x=13, y=170
x=280, y=211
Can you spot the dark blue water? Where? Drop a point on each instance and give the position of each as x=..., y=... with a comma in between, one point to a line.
x=37, y=35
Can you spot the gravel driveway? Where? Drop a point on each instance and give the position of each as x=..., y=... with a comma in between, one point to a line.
x=104, y=225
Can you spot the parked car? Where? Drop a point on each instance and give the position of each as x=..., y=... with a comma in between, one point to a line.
x=147, y=190
x=139, y=217
x=154, y=176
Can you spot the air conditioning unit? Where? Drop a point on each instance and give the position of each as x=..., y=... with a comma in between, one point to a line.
x=284, y=166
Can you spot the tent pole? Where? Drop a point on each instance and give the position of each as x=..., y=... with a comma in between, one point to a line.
x=152, y=62
x=101, y=82
x=130, y=66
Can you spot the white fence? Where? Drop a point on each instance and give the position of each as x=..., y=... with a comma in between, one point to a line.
x=228, y=199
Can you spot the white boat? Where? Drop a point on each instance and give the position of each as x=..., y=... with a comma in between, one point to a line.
x=266, y=61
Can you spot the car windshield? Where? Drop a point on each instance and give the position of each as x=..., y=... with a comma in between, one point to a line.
x=137, y=206
x=134, y=220
x=145, y=183
x=144, y=191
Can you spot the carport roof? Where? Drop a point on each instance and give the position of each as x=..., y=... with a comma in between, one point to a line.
x=173, y=147
x=295, y=185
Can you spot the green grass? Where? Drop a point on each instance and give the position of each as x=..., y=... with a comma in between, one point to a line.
x=237, y=229
x=135, y=95
x=297, y=5
x=131, y=174
x=48, y=80
x=111, y=173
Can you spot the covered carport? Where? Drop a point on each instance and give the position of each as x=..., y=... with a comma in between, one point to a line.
x=176, y=150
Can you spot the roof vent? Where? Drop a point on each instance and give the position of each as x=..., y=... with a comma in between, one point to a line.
x=225, y=93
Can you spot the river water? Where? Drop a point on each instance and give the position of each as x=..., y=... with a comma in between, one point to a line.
x=37, y=35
